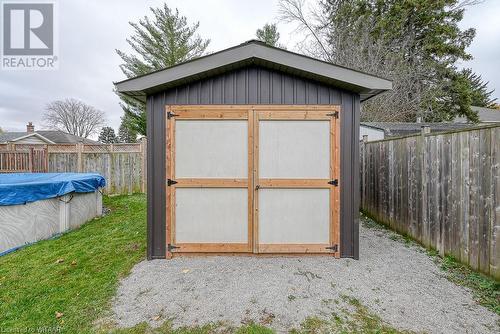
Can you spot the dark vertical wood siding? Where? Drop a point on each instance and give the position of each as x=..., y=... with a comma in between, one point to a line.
x=254, y=85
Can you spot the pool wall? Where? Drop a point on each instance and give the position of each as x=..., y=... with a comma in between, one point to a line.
x=27, y=223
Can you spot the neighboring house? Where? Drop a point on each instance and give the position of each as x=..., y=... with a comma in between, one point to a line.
x=42, y=137
x=381, y=130
x=372, y=132
x=486, y=115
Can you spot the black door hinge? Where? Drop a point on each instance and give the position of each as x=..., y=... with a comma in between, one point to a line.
x=334, y=114
x=170, y=182
x=171, y=247
x=334, y=248
x=170, y=115
x=334, y=182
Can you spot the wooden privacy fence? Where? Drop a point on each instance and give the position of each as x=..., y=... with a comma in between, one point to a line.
x=30, y=160
x=441, y=189
x=123, y=165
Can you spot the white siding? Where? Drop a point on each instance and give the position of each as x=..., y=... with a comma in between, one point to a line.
x=372, y=133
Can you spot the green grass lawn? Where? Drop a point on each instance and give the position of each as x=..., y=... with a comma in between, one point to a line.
x=66, y=285
x=76, y=274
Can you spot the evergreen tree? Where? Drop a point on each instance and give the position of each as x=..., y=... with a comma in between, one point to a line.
x=481, y=96
x=416, y=44
x=108, y=136
x=269, y=34
x=125, y=133
x=160, y=41
x=423, y=41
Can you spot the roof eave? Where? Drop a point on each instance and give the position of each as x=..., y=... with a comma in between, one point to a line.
x=254, y=53
x=34, y=134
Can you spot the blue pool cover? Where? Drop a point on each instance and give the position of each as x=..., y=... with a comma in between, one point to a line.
x=21, y=188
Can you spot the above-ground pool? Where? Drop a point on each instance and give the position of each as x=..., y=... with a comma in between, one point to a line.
x=36, y=206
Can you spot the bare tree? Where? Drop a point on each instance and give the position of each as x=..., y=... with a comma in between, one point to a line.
x=336, y=41
x=74, y=116
x=310, y=23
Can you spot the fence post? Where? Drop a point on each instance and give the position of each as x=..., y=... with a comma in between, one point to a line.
x=30, y=159
x=46, y=157
x=112, y=186
x=363, y=171
x=144, y=145
x=79, y=150
x=423, y=188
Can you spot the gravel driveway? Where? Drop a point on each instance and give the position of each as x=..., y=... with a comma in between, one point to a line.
x=399, y=283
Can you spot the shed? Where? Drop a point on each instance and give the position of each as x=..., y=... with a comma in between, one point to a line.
x=253, y=149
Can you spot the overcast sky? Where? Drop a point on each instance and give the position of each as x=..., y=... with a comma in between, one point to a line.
x=91, y=30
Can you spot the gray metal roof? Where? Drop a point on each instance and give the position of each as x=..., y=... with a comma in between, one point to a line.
x=258, y=53
x=406, y=128
x=58, y=137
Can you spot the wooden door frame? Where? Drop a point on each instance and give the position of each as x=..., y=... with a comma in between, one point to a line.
x=200, y=113
x=253, y=114
x=297, y=113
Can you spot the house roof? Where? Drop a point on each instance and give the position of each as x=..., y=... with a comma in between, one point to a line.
x=258, y=53
x=405, y=128
x=486, y=115
x=50, y=136
x=33, y=134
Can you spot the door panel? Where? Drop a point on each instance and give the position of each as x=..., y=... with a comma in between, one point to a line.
x=294, y=149
x=294, y=194
x=294, y=216
x=209, y=198
x=221, y=215
x=211, y=149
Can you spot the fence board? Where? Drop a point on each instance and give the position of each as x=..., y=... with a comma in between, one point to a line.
x=453, y=197
x=475, y=176
x=464, y=196
x=495, y=212
x=485, y=198
x=441, y=189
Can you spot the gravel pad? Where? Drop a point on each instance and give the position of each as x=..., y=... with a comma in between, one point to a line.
x=397, y=282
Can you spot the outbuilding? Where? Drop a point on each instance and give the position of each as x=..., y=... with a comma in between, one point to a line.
x=253, y=149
